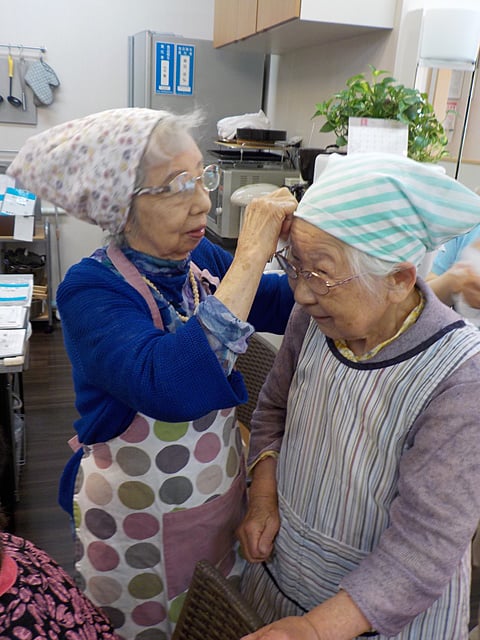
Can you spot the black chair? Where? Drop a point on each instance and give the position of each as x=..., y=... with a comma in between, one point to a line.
x=214, y=609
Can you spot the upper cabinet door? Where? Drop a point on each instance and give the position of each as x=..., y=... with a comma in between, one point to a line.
x=273, y=12
x=246, y=18
x=225, y=22
x=277, y=26
x=234, y=20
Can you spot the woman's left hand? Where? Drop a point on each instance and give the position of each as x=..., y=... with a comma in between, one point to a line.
x=338, y=617
x=292, y=628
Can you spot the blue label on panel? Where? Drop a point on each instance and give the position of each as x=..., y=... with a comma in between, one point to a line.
x=164, y=67
x=185, y=67
x=20, y=193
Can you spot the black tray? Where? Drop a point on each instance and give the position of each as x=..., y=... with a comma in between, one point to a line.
x=244, y=155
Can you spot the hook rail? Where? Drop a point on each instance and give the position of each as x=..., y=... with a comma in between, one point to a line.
x=22, y=47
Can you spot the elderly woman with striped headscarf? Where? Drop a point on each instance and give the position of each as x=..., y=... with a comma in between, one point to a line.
x=365, y=443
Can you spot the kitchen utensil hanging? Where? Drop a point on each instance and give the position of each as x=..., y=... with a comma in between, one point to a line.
x=1, y=99
x=26, y=113
x=22, y=69
x=13, y=100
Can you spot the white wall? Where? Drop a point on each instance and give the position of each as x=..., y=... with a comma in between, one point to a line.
x=87, y=46
x=307, y=76
x=411, y=5
x=310, y=75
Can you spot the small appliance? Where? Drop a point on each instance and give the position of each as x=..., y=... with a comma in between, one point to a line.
x=224, y=219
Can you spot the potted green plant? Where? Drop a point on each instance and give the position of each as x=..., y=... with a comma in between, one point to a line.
x=383, y=98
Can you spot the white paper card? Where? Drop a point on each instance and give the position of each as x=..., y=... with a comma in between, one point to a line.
x=12, y=342
x=23, y=228
x=12, y=316
x=374, y=134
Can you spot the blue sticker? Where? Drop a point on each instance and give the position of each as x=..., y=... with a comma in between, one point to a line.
x=164, y=68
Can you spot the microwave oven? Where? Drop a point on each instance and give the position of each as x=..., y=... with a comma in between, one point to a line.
x=224, y=217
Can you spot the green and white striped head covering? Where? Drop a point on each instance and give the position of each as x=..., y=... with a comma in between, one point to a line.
x=389, y=206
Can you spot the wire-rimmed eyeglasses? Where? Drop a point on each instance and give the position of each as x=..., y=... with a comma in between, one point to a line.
x=185, y=183
x=316, y=281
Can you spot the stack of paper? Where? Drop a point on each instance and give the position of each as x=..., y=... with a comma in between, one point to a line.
x=12, y=342
x=14, y=293
x=12, y=316
x=15, y=299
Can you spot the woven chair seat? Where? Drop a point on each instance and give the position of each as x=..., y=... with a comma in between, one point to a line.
x=214, y=609
x=254, y=365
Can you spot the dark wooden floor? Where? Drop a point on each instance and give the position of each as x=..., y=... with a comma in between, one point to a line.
x=49, y=415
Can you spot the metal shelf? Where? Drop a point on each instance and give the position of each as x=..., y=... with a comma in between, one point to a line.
x=41, y=235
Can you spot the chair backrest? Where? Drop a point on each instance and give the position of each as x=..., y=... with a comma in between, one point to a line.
x=214, y=609
x=254, y=365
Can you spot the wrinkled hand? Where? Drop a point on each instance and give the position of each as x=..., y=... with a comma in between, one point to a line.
x=467, y=282
x=337, y=617
x=293, y=628
x=267, y=219
x=259, y=528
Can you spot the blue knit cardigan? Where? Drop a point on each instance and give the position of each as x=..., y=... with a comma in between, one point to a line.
x=123, y=365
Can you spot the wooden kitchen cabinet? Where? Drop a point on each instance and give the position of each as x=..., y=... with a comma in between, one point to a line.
x=274, y=12
x=234, y=20
x=277, y=26
x=246, y=18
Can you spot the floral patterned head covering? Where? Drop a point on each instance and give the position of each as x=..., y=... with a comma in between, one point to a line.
x=88, y=166
x=389, y=206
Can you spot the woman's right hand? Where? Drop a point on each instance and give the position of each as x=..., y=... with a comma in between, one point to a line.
x=262, y=522
x=266, y=220
x=461, y=278
x=469, y=286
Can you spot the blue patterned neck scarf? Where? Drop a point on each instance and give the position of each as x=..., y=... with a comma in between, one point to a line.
x=170, y=277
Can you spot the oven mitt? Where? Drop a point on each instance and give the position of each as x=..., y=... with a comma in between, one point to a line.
x=52, y=80
x=40, y=77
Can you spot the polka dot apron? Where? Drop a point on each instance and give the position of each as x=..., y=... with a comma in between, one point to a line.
x=148, y=505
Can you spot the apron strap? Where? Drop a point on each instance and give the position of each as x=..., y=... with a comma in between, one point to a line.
x=132, y=275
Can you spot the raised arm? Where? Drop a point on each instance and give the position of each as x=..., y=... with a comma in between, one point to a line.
x=266, y=219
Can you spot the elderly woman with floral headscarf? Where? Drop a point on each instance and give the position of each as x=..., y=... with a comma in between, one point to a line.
x=365, y=443
x=153, y=323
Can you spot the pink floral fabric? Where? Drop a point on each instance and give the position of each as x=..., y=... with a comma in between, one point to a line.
x=88, y=166
x=44, y=601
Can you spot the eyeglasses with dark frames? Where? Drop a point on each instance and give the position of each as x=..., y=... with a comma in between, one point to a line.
x=185, y=183
x=316, y=281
